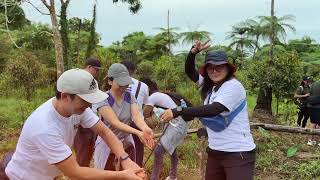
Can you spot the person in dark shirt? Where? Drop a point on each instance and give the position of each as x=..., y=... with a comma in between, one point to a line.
x=313, y=103
x=301, y=95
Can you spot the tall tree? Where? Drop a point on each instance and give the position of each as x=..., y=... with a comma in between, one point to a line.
x=92, y=39
x=56, y=35
x=134, y=7
x=275, y=30
x=64, y=31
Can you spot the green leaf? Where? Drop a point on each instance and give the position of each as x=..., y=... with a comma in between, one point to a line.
x=264, y=132
x=292, y=151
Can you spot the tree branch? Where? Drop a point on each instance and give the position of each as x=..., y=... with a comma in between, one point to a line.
x=35, y=7
x=46, y=4
x=6, y=22
x=66, y=2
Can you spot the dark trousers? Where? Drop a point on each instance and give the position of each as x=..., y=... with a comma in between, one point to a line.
x=110, y=162
x=138, y=146
x=230, y=165
x=303, y=114
x=84, y=146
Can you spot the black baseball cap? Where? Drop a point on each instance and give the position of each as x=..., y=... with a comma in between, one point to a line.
x=306, y=78
x=93, y=62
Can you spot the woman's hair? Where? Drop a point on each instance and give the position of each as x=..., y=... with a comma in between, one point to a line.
x=153, y=87
x=106, y=86
x=208, y=83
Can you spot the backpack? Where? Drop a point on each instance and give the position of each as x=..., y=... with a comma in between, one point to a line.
x=177, y=97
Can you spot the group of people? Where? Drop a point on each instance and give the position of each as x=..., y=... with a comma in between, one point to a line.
x=109, y=125
x=307, y=97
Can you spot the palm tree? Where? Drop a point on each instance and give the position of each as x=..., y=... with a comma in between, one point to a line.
x=169, y=35
x=276, y=27
x=254, y=31
x=191, y=36
x=239, y=39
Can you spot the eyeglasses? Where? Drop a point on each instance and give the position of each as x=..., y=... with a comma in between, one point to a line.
x=210, y=69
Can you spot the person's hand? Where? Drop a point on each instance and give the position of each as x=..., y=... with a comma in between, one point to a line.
x=129, y=164
x=132, y=174
x=307, y=95
x=146, y=137
x=167, y=115
x=198, y=46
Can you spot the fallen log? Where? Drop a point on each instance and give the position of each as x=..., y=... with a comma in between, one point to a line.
x=289, y=129
x=272, y=127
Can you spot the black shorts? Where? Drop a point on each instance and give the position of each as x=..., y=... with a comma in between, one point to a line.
x=315, y=115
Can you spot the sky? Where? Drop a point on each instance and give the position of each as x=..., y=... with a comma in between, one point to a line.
x=115, y=21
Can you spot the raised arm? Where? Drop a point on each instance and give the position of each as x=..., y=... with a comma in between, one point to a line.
x=190, y=65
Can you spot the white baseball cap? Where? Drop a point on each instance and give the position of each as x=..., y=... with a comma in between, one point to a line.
x=81, y=83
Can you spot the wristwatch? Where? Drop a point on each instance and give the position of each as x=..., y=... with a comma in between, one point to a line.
x=123, y=156
x=117, y=161
x=179, y=108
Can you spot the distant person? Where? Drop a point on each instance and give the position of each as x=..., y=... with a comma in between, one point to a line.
x=302, y=94
x=85, y=137
x=141, y=92
x=44, y=146
x=174, y=132
x=93, y=66
x=314, y=108
x=231, y=151
x=118, y=111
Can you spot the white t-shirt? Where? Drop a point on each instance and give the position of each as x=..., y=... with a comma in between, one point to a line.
x=237, y=136
x=161, y=99
x=143, y=92
x=45, y=140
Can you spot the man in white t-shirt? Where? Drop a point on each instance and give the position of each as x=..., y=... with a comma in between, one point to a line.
x=141, y=92
x=44, y=147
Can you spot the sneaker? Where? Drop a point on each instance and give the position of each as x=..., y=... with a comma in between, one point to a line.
x=312, y=143
x=169, y=178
